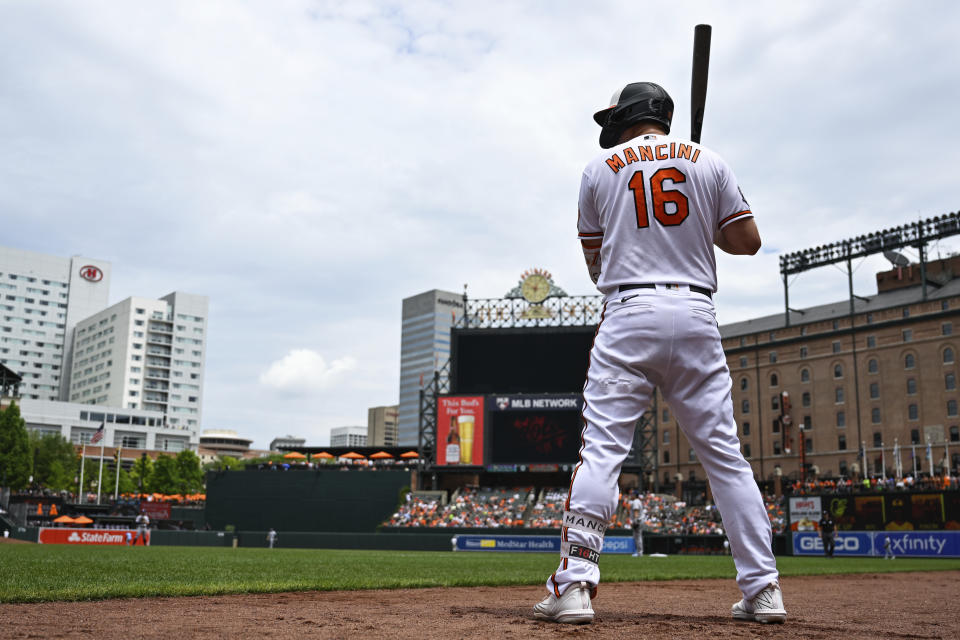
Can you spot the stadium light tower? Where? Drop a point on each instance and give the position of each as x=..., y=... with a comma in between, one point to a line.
x=914, y=234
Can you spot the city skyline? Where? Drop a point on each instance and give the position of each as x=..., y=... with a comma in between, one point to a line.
x=307, y=167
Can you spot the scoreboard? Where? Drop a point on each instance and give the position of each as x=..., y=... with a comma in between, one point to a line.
x=505, y=361
x=534, y=429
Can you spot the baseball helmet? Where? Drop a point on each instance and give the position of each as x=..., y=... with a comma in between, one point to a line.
x=636, y=102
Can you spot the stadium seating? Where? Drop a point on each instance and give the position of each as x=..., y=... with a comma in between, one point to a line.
x=469, y=507
x=483, y=507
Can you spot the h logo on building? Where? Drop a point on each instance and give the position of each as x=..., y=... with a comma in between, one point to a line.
x=91, y=273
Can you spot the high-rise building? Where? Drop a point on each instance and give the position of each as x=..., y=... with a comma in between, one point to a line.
x=382, y=426
x=348, y=437
x=143, y=353
x=424, y=348
x=42, y=297
x=127, y=428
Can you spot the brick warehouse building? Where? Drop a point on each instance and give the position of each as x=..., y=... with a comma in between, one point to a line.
x=886, y=371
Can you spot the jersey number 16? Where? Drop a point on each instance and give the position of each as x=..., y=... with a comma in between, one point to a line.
x=659, y=197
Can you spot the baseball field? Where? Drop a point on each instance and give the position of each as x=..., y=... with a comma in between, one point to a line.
x=122, y=592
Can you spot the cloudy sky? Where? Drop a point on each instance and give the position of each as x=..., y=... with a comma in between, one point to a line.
x=308, y=164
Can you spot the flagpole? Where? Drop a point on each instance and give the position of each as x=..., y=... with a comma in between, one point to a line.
x=100, y=478
x=863, y=451
x=898, y=464
x=883, y=463
x=80, y=492
x=116, y=487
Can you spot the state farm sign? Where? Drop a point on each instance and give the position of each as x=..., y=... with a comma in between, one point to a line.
x=49, y=535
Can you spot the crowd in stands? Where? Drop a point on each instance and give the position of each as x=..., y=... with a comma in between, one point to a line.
x=548, y=510
x=875, y=484
x=341, y=464
x=469, y=507
x=521, y=507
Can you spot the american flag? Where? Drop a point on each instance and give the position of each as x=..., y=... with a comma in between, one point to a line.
x=98, y=434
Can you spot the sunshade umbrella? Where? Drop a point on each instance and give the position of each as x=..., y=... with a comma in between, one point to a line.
x=381, y=455
x=324, y=455
x=410, y=454
x=82, y=520
x=295, y=455
x=64, y=519
x=353, y=455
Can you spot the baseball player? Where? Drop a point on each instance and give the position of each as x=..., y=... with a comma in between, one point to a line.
x=271, y=538
x=638, y=514
x=143, y=522
x=828, y=533
x=652, y=207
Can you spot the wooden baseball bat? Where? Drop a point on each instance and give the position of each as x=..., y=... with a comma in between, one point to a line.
x=698, y=83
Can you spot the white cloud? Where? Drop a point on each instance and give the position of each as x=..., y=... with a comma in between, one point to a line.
x=307, y=164
x=304, y=371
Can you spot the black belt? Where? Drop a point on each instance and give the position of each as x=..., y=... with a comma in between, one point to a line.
x=693, y=287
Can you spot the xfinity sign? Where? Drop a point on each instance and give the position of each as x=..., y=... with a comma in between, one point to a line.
x=914, y=544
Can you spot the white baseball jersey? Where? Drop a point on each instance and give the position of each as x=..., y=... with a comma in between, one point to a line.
x=649, y=212
x=654, y=205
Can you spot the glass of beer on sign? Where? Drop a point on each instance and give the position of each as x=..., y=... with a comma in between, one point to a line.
x=466, y=438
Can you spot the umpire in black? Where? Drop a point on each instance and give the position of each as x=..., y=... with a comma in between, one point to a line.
x=828, y=531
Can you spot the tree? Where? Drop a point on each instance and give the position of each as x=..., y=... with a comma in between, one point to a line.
x=15, y=452
x=119, y=478
x=223, y=463
x=91, y=471
x=188, y=468
x=141, y=474
x=166, y=476
x=54, y=461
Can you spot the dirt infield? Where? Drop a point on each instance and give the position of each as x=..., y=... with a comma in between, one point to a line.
x=875, y=606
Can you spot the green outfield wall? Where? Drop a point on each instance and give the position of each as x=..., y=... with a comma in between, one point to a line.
x=303, y=500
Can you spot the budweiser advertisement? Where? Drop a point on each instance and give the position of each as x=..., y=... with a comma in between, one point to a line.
x=50, y=535
x=460, y=430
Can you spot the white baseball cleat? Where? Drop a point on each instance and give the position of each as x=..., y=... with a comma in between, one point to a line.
x=573, y=607
x=765, y=607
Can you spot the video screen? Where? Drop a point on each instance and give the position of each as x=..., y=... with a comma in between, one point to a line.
x=549, y=360
x=540, y=429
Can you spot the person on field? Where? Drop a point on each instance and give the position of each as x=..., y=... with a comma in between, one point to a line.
x=828, y=533
x=652, y=207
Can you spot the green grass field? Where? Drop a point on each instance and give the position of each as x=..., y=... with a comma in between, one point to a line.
x=40, y=573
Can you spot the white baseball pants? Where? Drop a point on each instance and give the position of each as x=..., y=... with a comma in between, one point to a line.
x=664, y=338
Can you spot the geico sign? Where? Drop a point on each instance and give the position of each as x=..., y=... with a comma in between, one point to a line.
x=841, y=543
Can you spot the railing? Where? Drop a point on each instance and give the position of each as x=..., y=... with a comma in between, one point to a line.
x=563, y=311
